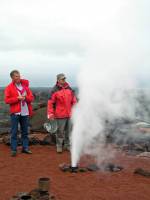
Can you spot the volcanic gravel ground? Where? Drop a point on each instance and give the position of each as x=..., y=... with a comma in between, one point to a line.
x=21, y=174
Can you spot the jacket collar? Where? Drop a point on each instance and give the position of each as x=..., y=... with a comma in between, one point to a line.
x=24, y=82
x=66, y=85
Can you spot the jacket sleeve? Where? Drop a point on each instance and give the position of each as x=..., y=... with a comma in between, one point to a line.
x=29, y=96
x=8, y=98
x=50, y=106
x=74, y=99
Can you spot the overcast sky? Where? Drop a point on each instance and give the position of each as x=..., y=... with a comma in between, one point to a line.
x=44, y=37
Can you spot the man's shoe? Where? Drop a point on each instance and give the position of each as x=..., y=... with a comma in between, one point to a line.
x=59, y=149
x=26, y=151
x=13, y=153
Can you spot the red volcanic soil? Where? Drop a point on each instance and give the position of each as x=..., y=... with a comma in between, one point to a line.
x=21, y=174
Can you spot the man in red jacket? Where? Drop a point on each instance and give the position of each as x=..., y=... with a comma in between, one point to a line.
x=19, y=97
x=60, y=105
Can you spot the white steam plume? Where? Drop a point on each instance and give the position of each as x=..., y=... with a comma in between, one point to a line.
x=114, y=54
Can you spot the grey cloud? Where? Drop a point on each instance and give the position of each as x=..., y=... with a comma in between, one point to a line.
x=53, y=44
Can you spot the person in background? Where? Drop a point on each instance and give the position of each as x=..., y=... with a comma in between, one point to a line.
x=19, y=97
x=60, y=103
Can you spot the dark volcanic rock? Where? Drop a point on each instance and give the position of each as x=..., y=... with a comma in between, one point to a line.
x=112, y=167
x=35, y=194
x=64, y=167
x=82, y=169
x=142, y=172
x=38, y=119
x=42, y=104
x=6, y=140
x=145, y=154
x=67, y=168
x=136, y=148
x=4, y=125
x=33, y=140
x=48, y=140
x=93, y=167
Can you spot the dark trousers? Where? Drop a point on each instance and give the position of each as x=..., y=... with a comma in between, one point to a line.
x=24, y=123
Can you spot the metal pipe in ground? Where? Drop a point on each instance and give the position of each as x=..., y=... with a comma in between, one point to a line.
x=44, y=184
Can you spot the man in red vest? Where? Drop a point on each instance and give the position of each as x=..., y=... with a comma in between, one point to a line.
x=19, y=97
x=60, y=103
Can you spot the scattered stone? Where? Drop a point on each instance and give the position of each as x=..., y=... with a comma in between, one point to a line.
x=35, y=194
x=67, y=168
x=20, y=194
x=64, y=167
x=93, y=167
x=33, y=140
x=48, y=140
x=15, y=198
x=136, y=148
x=139, y=147
x=52, y=197
x=44, y=196
x=142, y=172
x=82, y=169
x=113, y=168
x=132, y=153
x=6, y=140
x=142, y=125
x=145, y=154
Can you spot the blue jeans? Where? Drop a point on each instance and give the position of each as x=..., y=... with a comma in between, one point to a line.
x=24, y=123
